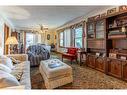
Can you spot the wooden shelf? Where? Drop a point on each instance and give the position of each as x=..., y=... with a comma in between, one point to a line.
x=122, y=54
x=95, y=39
x=116, y=28
x=117, y=36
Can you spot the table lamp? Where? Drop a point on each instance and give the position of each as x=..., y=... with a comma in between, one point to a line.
x=11, y=41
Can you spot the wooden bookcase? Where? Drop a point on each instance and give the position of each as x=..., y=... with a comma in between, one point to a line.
x=96, y=40
x=107, y=37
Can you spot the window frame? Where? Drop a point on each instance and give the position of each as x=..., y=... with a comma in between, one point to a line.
x=79, y=37
x=60, y=39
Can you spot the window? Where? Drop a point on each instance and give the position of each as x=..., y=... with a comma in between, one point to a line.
x=29, y=39
x=61, y=39
x=67, y=37
x=78, y=37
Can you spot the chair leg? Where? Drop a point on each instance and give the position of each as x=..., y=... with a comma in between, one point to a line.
x=71, y=61
x=62, y=58
x=76, y=61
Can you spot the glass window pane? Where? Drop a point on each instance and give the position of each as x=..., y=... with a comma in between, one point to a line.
x=29, y=39
x=78, y=32
x=61, y=38
x=78, y=42
x=67, y=37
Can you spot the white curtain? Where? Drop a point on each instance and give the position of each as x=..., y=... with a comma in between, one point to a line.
x=67, y=37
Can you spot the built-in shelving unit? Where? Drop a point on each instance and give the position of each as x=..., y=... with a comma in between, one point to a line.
x=107, y=44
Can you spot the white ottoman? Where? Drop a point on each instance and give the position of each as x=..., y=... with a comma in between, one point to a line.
x=55, y=76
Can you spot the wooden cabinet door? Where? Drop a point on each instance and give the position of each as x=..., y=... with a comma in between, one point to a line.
x=91, y=61
x=125, y=70
x=115, y=68
x=100, y=64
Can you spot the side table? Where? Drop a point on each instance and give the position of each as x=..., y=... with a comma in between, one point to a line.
x=81, y=56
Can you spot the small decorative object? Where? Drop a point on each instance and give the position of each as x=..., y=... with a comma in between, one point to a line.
x=103, y=15
x=111, y=11
x=123, y=29
x=112, y=55
x=123, y=57
x=110, y=25
x=123, y=8
x=114, y=24
x=48, y=37
x=104, y=54
x=98, y=54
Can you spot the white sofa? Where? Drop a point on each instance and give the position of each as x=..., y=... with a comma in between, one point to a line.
x=25, y=65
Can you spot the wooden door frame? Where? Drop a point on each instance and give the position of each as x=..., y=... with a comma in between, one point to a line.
x=6, y=35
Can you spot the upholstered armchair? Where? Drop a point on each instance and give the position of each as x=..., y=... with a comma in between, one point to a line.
x=36, y=53
x=71, y=54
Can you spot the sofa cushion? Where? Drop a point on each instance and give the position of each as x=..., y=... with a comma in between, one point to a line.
x=25, y=79
x=55, y=72
x=17, y=71
x=7, y=80
x=15, y=61
x=5, y=68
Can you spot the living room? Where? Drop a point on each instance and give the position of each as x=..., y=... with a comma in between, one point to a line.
x=84, y=47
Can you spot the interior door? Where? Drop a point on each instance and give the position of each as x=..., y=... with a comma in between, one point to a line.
x=6, y=35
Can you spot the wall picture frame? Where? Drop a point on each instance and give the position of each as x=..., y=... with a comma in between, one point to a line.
x=48, y=36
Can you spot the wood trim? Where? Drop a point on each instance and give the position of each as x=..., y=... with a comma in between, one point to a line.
x=6, y=35
x=24, y=42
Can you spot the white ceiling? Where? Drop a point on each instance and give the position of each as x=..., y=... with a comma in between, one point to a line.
x=49, y=16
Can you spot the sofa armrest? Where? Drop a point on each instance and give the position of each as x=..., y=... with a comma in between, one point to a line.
x=20, y=57
x=15, y=87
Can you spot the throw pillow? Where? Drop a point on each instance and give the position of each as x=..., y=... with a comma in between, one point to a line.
x=14, y=60
x=6, y=61
x=7, y=80
x=17, y=75
x=5, y=68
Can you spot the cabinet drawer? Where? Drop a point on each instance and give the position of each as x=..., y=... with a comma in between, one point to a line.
x=124, y=70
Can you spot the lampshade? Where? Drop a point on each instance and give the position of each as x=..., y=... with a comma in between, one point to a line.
x=11, y=41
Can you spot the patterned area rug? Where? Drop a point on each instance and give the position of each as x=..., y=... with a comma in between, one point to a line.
x=84, y=78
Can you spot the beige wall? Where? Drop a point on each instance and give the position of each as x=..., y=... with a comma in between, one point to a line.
x=52, y=39
x=77, y=20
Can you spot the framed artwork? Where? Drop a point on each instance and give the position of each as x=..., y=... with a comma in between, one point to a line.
x=111, y=11
x=48, y=37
